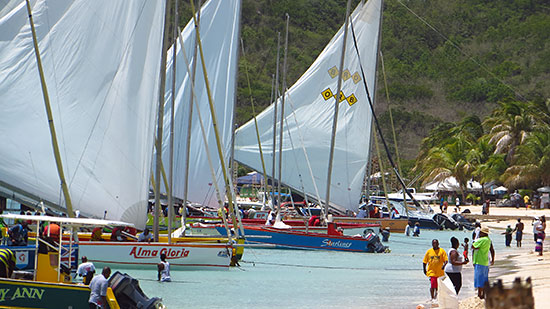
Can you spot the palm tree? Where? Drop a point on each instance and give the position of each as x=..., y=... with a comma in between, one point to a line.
x=448, y=151
x=533, y=163
x=489, y=166
x=509, y=126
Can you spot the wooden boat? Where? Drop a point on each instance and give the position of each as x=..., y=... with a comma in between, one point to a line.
x=50, y=284
x=182, y=256
x=291, y=239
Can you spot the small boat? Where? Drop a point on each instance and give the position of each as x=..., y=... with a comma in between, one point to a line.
x=292, y=239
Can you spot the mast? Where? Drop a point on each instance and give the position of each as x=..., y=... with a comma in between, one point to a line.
x=276, y=96
x=336, y=107
x=190, y=121
x=172, y=112
x=282, y=122
x=216, y=131
x=234, y=125
x=53, y=135
x=255, y=122
x=160, y=117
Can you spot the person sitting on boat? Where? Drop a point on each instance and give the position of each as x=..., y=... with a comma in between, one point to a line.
x=116, y=234
x=98, y=289
x=96, y=234
x=145, y=236
x=163, y=274
x=7, y=259
x=362, y=212
x=51, y=232
x=416, y=230
x=86, y=270
x=314, y=221
x=18, y=234
x=271, y=219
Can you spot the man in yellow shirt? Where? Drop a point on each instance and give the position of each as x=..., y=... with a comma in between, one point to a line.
x=435, y=259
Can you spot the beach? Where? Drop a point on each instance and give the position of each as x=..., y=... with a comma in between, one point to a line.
x=513, y=261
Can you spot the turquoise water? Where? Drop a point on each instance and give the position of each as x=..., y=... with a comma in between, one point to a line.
x=270, y=278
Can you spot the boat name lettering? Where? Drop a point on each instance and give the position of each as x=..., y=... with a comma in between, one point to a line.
x=335, y=244
x=174, y=254
x=140, y=253
x=29, y=293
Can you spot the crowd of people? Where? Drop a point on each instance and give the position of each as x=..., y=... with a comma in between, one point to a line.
x=438, y=263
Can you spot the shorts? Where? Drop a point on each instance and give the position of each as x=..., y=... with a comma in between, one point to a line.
x=433, y=282
x=481, y=275
x=519, y=235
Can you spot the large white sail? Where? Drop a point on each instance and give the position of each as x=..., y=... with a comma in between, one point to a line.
x=309, y=110
x=101, y=65
x=219, y=31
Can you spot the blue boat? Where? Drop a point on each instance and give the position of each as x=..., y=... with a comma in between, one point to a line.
x=290, y=239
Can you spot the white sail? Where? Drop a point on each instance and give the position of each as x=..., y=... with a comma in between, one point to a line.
x=101, y=65
x=309, y=110
x=219, y=31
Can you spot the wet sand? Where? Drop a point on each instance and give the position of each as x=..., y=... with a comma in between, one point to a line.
x=517, y=262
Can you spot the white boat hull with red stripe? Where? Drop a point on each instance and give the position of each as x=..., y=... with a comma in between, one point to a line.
x=139, y=254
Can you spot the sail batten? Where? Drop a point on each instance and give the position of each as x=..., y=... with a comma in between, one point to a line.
x=308, y=125
x=101, y=66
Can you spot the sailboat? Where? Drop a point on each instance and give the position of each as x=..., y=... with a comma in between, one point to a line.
x=101, y=66
x=219, y=28
x=309, y=107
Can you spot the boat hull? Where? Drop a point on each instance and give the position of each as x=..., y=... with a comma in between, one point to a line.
x=286, y=239
x=395, y=225
x=15, y=293
x=137, y=254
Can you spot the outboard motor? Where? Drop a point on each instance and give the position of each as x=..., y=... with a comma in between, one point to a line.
x=128, y=293
x=374, y=245
x=444, y=222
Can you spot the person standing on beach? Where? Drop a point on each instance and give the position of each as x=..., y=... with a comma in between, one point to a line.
x=453, y=268
x=482, y=246
x=541, y=235
x=536, y=228
x=433, y=263
x=519, y=232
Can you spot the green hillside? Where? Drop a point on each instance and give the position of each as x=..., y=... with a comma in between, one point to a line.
x=468, y=81
x=470, y=56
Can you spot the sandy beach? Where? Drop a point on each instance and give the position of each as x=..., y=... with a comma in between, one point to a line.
x=516, y=262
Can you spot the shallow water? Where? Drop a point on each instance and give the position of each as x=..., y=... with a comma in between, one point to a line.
x=271, y=278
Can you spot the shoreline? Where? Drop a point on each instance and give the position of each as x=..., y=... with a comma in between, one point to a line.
x=515, y=261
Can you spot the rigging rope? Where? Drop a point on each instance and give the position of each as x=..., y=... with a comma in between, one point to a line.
x=378, y=128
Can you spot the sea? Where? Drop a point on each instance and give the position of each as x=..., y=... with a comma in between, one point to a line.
x=273, y=278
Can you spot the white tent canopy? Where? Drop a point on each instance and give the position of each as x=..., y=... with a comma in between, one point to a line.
x=451, y=184
x=500, y=189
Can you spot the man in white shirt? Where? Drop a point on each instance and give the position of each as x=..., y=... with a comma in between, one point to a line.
x=86, y=270
x=98, y=289
x=362, y=212
x=163, y=269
